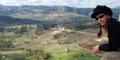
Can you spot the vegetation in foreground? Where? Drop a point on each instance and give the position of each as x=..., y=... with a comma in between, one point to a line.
x=40, y=54
x=74, y=55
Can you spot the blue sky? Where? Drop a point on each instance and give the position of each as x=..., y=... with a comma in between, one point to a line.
x=72, y=3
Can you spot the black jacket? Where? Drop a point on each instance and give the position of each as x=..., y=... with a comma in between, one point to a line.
x=113, y=36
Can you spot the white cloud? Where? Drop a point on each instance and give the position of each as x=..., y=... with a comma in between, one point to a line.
x=75, y=3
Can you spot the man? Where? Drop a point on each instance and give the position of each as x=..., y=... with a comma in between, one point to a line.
x=103, y=15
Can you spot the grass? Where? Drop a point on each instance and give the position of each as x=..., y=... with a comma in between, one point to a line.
x=74, y=55
x=62, y=16
x=25, y=37
x=75, y=34
x=61, y=55
x=69, y=41
x=6, y=35
x=17, y=40
x=53, y=48
x=62, y=34
x=57, y=51
x=94, y=41
x=13, y=55
x=37, y=17
x=68, y=15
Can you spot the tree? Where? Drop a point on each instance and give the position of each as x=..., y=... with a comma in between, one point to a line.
x=37, y=54
x=1, y=56
x=1, y=29
x=22, y=30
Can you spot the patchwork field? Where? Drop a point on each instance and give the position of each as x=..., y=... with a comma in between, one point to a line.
x=77, y=51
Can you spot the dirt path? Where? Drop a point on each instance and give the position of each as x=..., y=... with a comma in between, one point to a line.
x=90, y=35
x=83, y=41
x=86, y=37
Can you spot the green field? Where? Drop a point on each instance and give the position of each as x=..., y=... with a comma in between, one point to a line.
x=45, y=41
x=37, y=17
x=13, y=55
x=74, y=55
x=63, y=55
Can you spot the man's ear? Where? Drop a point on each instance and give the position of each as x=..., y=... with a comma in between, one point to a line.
x=108, y=16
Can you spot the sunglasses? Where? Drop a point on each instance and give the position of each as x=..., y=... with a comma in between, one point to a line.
x=100, y=17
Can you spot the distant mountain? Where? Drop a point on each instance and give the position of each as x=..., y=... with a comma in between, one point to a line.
x=6, y=20
x=51, y=14
x=28, y=10
x=116, y=12
x=1, y=5
x=31, y=9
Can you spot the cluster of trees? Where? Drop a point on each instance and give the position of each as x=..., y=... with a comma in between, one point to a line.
x=21, y=31
x=9, y=37
x=81, y=25
x=36, y=54
x=15, y=30
x=59, y=35
x=56, y=36
x=6, y=43
x=7, y=20
x=1, y=29
x=85, y=27
x=68, y=41
x=0, y=56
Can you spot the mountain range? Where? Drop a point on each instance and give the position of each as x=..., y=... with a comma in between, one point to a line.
x=7, y=20
x=51, y=14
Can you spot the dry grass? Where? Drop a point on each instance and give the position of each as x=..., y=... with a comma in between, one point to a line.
x=37, y=42
x=95, y=31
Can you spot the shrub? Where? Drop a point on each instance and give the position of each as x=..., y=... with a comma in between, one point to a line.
x=36, y=54
x=69, y=41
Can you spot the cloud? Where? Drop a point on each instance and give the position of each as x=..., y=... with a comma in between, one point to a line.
x=73, y=3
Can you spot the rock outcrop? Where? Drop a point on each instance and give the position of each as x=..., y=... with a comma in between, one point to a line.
x=111, y=56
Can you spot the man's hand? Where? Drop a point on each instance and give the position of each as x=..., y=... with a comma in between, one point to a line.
x=95, y=49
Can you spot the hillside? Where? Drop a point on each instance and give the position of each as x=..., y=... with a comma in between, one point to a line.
x=31, y=10
x=81, y=25
x=7, y=20
x=50, y=14
x=58, y=18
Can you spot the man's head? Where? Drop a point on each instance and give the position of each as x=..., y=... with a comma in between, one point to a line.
x=101, y=9
x=101, y=14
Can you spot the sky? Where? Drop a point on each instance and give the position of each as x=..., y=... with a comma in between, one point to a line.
x=71, y=3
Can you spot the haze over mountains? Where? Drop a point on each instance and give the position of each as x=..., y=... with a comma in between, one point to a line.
x=56, y=14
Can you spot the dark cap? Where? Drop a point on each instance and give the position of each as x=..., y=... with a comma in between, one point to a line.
x=101, y=9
